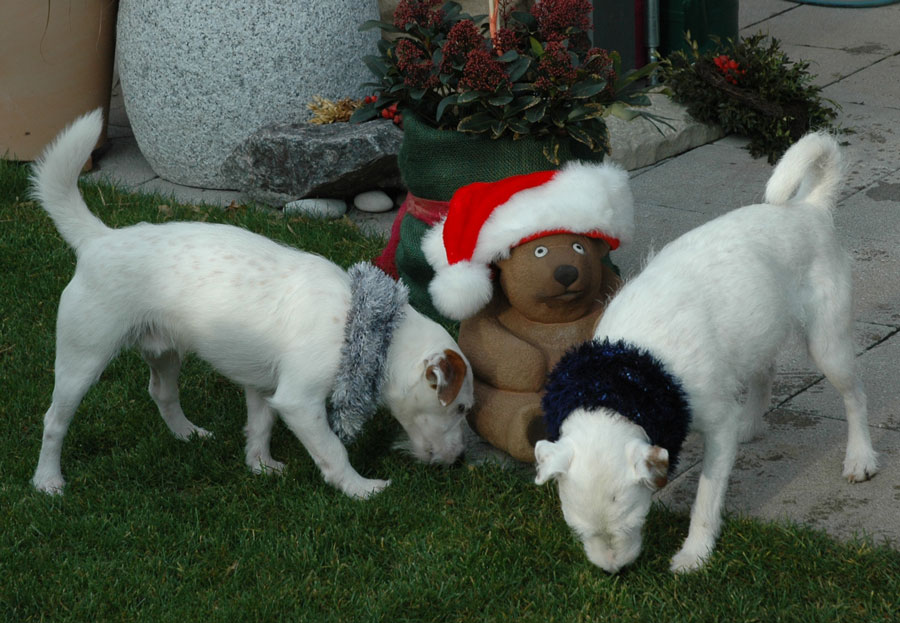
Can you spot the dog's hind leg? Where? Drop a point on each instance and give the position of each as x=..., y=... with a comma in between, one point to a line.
x=83, y=350
x=759, y=394
x=260, y=420
x=305, y=415
x=831, y=348
x=719, y=450
x=164, y=370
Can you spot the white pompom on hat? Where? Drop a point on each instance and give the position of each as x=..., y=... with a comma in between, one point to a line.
x=486, y=220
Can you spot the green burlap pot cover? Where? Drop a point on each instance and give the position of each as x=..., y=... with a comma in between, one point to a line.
x=435, y=163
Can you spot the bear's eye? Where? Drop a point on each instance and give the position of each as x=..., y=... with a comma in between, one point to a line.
x=540, y=251
x=578, y=248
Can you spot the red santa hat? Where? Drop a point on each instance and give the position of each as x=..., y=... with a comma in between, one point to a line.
x=488, y=219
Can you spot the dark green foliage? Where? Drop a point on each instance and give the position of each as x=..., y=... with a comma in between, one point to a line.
x=766, y=97
x=538, y=78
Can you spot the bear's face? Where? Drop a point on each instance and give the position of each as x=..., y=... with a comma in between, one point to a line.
x=555, y=278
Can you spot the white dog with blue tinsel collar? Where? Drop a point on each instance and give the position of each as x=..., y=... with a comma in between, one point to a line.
x=678, y=344
x=290, y=327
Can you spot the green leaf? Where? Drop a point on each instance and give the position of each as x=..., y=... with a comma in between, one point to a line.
x=524, y=18
x=375, y=65
x=521, y=103
x=518, y=126
x=517, y=68
x=536, y=47
x=582, y=136
x=536, y=113
x=442, y=105
x=508, y=57
x=498, y=127
x=479, y=122
x=587, y=88
x=500, y=100
x=364, y=113
x=618, y=109
x=467, y=97
x=375, y=23
x=551, y=150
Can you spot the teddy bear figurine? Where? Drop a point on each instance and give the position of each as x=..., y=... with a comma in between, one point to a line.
x=522, y=263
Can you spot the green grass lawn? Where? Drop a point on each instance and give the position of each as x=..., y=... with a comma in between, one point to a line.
x=154, y=529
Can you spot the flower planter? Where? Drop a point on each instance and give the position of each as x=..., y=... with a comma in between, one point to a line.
x=434, y=164
x=57, y=63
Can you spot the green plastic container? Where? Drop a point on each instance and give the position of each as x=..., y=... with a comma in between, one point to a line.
x=703, y=19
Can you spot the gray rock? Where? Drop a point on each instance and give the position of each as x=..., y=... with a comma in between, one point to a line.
x=282, y=162
x=316, y=208
x=373, y=201
x=199, y=76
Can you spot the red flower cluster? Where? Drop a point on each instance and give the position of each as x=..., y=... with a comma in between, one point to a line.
x=556, y=17
x=483, y=72
x=555, y=67
x=421, y=12
x=599, y=65
x=729, y=68
x=416, y=66
x=463, y=38
x=508, y=39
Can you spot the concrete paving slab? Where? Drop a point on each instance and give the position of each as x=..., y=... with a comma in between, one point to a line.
x=867, y=86
x=640, y=142
x=655, y=226
x=793, y=473
x=868, y=224
x=189, y=194
x=878, y=368
x=795, y=372
x=870, y=31
x=122, y=164
x=712, y=179
x=828, y=65
x=755, y=11
x=871, y=143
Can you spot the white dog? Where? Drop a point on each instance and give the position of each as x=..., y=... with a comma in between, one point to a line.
x=269, y=317
x=680, y=344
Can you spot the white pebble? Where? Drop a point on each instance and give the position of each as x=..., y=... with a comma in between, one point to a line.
x=373, y=201
x=316, y=208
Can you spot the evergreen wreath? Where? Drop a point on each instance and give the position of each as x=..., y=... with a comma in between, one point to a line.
x=751, y=88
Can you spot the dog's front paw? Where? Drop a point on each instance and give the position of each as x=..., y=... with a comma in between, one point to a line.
x=689, y=559
x=50, y=485
x=268, y=466
x=366, y=488
x=861, y=466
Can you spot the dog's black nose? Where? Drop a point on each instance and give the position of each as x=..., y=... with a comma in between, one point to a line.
x=565, y=274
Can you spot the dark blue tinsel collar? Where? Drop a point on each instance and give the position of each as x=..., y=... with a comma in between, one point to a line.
x=625, y=379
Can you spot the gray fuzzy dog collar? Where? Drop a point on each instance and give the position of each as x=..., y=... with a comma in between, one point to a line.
x=377, y=305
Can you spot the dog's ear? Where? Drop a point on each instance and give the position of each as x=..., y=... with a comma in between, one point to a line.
x=552, y=459
x=445, y=373
x=650, y=464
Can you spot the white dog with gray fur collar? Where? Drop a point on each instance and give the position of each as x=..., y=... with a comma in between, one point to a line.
x=713, y=308
x=269, y=317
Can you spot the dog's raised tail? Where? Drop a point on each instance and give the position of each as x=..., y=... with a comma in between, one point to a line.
x=54, y=180
x=811, y=170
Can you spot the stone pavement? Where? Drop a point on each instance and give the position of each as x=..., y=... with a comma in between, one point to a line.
x=793, y=471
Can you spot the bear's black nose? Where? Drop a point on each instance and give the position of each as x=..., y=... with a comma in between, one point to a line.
x=565, y=274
